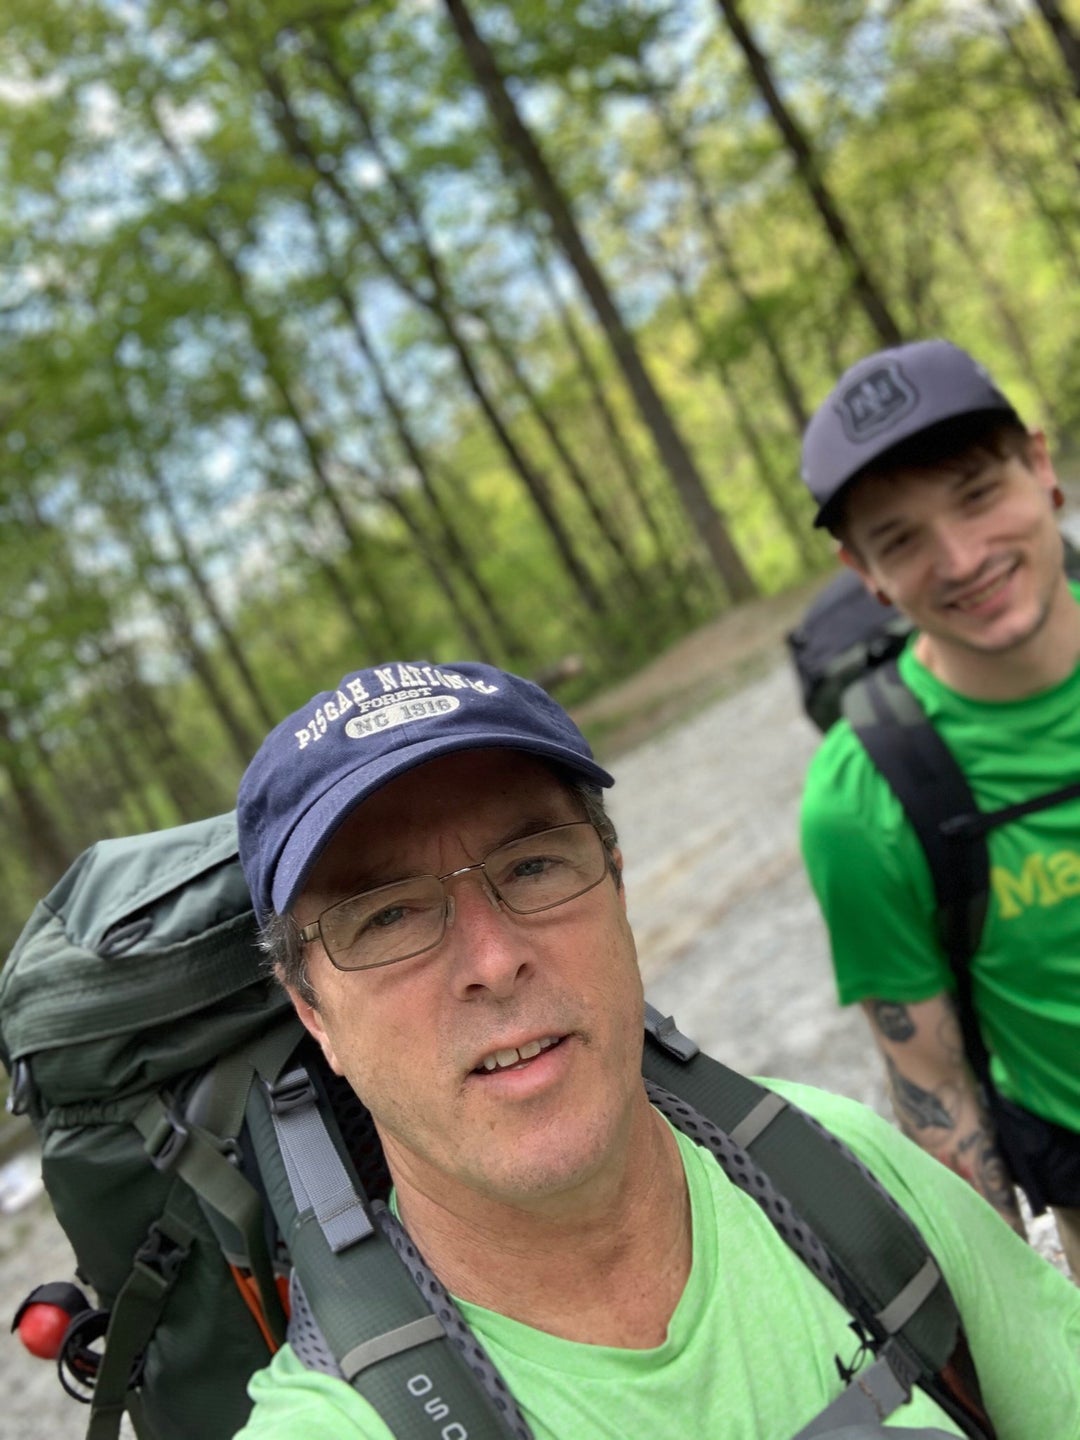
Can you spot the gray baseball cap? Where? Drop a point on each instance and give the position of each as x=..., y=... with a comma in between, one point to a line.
x=884, y=399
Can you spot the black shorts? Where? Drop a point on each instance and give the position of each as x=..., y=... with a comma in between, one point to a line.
x=1044, y=1158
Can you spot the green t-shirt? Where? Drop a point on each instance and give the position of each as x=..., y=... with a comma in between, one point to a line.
x=749, y=1352
x=875, y=891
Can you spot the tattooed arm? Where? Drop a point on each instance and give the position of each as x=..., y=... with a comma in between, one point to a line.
x=935, y=1098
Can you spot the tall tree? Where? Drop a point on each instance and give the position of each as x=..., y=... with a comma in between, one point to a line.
x=521, y=143
x=808, y=167
x=1065, y=37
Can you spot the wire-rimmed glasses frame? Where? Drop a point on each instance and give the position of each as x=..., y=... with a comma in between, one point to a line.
x=408, y=917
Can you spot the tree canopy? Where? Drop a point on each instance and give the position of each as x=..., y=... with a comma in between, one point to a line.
x=447, y=328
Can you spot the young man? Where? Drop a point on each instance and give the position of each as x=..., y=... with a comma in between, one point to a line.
x=441, y=893
x=944, y=504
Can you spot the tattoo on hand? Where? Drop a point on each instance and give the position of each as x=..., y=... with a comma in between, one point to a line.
x=916, y=1108
x=894, y=1021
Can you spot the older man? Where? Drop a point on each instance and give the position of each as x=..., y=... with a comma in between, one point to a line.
x=441, y=894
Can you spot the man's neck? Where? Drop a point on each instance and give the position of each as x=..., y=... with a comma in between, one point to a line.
x=1044, y=660
x=605, y=1265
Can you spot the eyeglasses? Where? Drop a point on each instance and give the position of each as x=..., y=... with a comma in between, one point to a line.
x=398, y=921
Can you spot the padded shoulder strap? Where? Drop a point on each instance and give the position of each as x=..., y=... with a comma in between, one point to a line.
x=816, y=1190
x=363, y=1297
x=893, y=729
x=926, y=779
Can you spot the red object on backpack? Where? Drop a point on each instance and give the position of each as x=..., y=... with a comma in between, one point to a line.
x=43, y=1317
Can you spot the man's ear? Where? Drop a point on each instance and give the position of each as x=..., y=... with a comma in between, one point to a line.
x=312, y=1022
x=853, y=562
x=1042, y=467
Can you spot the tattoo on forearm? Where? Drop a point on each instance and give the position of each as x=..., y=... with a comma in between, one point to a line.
x=916, y=1108
x=988, y=1170
x=949, y=1035
x=894, y=1021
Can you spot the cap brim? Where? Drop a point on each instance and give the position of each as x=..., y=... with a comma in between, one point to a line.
x=315, y=830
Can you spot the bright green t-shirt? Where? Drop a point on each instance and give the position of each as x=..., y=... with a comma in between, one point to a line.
x=875, y=891
x=749, y=1352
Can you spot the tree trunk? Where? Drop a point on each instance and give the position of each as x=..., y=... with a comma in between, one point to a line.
x=478, y=643
x=173, y=609
x=799, y=530
x=1011, y=329
x=869, y=295
x=670, y=445
x=580, y=481
x=46, y=849
x=1014, y=170
x=787, y=385
x=617, y=441
x=356, y=542
x=264, y=337
x=1042, y=91
x=462, y=562
x=437, y=304
x=203, y=589
x=189, y=786
x=1065, y=37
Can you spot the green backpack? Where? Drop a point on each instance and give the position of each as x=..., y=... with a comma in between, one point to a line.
x=223, y=1190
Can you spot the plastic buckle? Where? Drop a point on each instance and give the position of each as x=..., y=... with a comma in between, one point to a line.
x=170, y=1136
x=668, y=1035
x=161, y=1254
x=290, y=1092
x=21, y=1094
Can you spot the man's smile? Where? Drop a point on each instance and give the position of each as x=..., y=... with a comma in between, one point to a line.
x=510, y=1056
x=974, y=597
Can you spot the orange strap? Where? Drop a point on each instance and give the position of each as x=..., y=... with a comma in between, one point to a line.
x=249, y=1292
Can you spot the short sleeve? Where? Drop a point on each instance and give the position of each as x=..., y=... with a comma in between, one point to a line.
x=870, y=877
x=292, y=1401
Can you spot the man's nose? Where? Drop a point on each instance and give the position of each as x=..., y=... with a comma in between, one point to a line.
x=487, y=945
x=958, y=551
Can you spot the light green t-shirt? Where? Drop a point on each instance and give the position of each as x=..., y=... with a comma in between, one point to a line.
x=875, y=891
x=749, y=1352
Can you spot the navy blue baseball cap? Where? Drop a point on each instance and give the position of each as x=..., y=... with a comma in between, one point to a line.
x=886, y=398
x=321, y=762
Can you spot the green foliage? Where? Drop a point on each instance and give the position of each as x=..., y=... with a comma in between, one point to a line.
x=295, y=373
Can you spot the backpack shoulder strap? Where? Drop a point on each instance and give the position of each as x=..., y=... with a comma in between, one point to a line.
x=923, y=774
x=365, y=1306
x=828, y=1208
x=893, y=729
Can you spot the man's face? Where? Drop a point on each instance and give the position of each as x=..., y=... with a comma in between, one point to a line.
x=973, y=557
x=412, y=1037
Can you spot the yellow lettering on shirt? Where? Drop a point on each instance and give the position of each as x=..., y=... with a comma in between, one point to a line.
x=1043, y=880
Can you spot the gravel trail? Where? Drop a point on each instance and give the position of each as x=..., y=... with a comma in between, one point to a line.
x=730, y=941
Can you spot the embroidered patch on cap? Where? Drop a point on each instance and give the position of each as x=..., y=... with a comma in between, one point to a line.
x=877, y=401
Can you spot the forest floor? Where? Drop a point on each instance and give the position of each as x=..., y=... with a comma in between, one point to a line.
x=709, y=748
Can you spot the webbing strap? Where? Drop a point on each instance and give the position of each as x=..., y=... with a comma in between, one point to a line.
x=871, y=1396
x=317, y=1175
x=405, y=1337
x=135, y=1315
x=924, y=776
x=902, y=1307
x=198, y=1158
x=908, y=751
x=759, y=1119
